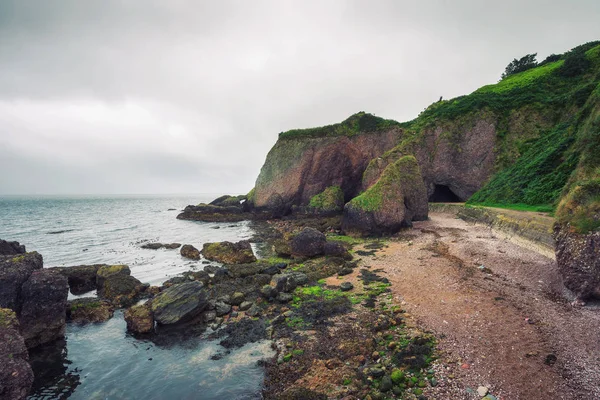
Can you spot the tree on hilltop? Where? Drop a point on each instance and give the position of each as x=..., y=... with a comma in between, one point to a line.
x=520, y=65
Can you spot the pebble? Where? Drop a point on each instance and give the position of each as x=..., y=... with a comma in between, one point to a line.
x=482, y=391
x=346, y=286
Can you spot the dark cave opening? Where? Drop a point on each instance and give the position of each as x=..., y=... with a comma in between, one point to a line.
x=443, y=194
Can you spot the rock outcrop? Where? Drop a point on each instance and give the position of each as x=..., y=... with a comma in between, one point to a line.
x=189, y=251
x=43, y=312
x=38, y=297
x=16, y=376
x=578, y=260
x=82, y=278
x=304, y=163
x=11, y=248
x=394, y=201
x=211, y=213
x=228, y=252
x=156, y=246
x=179, y=303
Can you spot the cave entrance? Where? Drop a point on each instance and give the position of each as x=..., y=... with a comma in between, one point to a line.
x=443, y=194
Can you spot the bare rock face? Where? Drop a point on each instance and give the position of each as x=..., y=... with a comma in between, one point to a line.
x=43, y=312
x=578, y=259
x=11, y=248
x=16, y=376
x=296, y=169
x=398, y=198
x=228, y=252
x=14, y=272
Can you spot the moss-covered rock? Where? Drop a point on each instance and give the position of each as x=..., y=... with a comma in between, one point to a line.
x=212, y=213
x=89, y=310
x=330, y=200
x=139, y=319
x=308, y=243
x=228, y=252
x=398, y=198
x=16, y=376
x=117, y=285
x=189, y=251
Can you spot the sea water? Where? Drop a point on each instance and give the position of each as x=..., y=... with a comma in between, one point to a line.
x=101, y=361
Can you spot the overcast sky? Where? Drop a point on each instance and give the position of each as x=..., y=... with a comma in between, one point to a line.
x=189, y=96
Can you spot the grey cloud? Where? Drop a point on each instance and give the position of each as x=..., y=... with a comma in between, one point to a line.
x=203, y=88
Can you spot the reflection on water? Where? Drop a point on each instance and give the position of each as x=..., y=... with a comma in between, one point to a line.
x=106, y=363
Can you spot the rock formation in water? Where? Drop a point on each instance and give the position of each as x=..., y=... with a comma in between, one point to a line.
x=16, y=376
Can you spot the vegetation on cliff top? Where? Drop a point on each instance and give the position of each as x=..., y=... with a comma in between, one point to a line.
x=360, y=122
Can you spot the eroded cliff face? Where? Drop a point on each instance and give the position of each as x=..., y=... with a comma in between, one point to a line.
x=296, y=169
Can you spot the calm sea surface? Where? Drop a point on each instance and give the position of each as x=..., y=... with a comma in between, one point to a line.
x=101, y=361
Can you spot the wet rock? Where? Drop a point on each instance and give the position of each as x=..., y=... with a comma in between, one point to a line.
x=189, y=251
x=268, y=291
x=336, y=249
x=295, y=279
x=117, y=285
x=16, y=375
x=300, y=393
x=345, y=271
x=279, y=282
x=282, y=248
x=578, y=259
x=81, y=278
x=87, y=310
x=243, y=332
x=175, y=281
x=228, y=252
x=393, y=202
x=245, y=305
x=237, y=298
x=210, y=316
x=308, y=243
x=346, y=286
x=376, y=372
x=14, y=271
x=11, y=248
x=222, y=308
x=42, y=316
x=179, y=303
x=139, y=319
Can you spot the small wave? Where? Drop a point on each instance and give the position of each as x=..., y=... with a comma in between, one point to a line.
x=59, y=232
x=124, y=229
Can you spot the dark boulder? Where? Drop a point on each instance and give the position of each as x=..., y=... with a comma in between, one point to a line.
x=228, y=201
x=288, y=282
x=139, y=319
x=89, y=310
x=11, y=248
x=578, y=259
x=14, y=271
x=308, y=243
x=393, y=202
x=189, y=251
x=212, y=213
x=43, y=313
x=116, y=284
x=156, y=246
x=82, y=278
x=16, y=376
x=229, y=253
x=282, y=248
x=179, y=303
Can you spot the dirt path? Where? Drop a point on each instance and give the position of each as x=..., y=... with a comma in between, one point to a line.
x=498, y=311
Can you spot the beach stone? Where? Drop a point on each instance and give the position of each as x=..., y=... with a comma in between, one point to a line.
x=189, y=251
x=228, y=252
x=308, y=243
x=376, y=372
x=210, y=316
x=346, y=286
x=285, y=297
x=16, y=375
x=152, y=246
x=245, y=305
x=295, y=279
x=482, y=391
x=89, y=309
x=237, y=298
x=268, y=291
x=253, y=311
x=222, y=308
x=386, y=384
x=179, y=303
x=139, y=319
